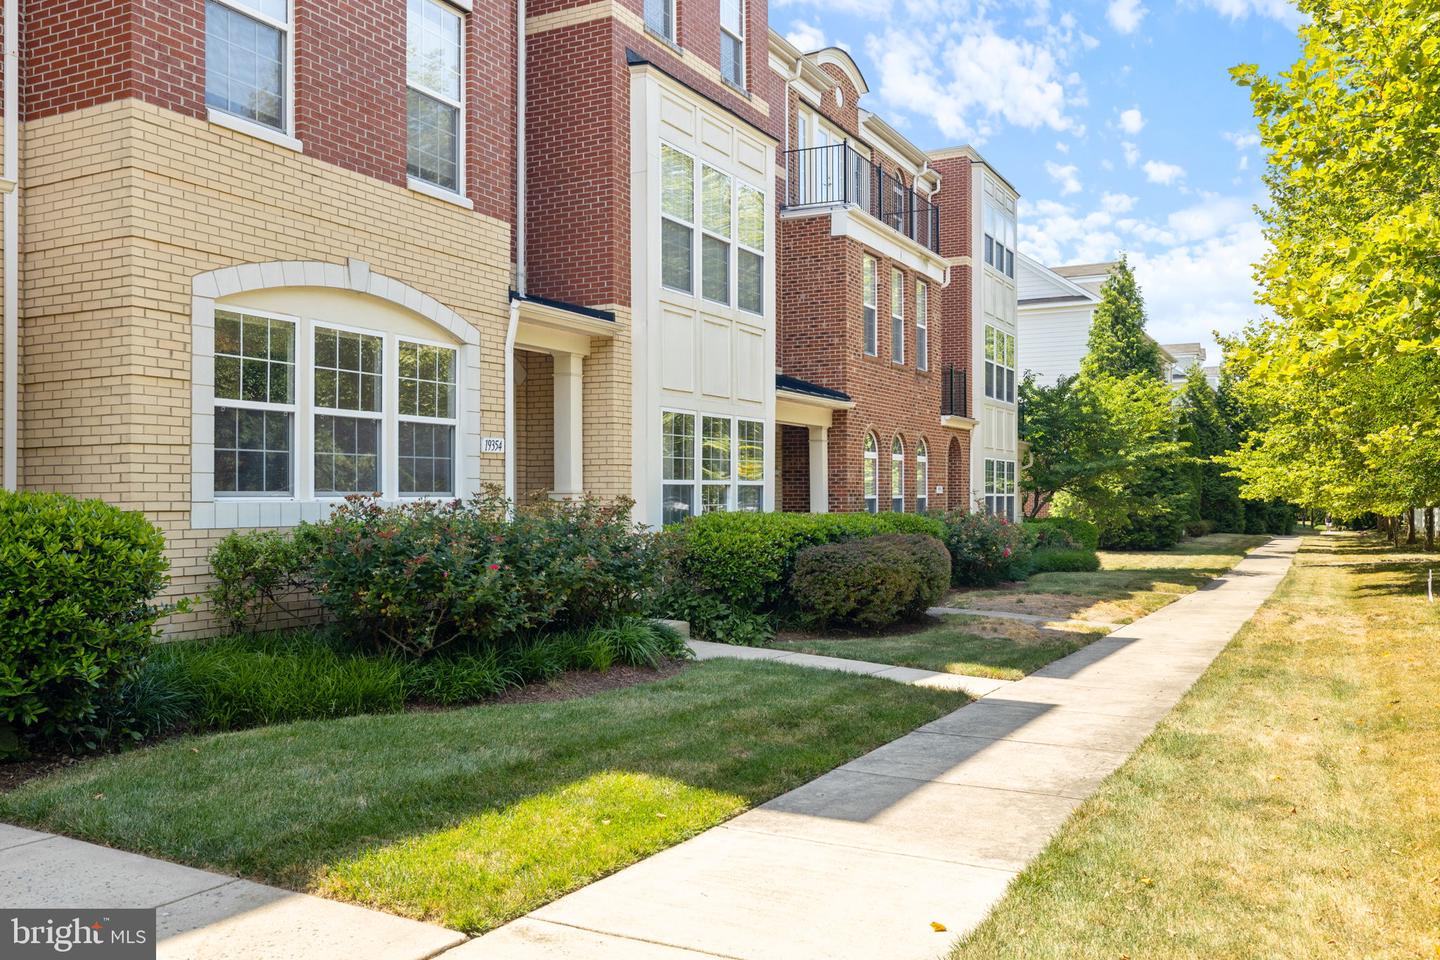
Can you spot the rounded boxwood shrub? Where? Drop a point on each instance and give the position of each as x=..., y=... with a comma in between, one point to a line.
x=78, y=581
x=985, y=549
x=871, y=582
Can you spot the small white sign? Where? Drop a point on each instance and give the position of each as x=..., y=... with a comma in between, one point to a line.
x=492, y=444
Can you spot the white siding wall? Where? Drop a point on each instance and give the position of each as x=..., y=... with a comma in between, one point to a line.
x=1053, y=339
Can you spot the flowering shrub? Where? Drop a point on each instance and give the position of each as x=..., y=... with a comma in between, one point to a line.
x=415, y=577
x=872, y=582
x=984, y=549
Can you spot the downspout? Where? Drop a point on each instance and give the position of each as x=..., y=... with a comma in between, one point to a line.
x=520, y=203
x=11, y=213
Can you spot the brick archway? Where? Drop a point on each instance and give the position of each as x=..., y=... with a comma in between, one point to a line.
x=957, y=483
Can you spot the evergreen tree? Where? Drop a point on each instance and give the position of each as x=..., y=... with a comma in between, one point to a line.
x=1205, y=426
x=1119, y=346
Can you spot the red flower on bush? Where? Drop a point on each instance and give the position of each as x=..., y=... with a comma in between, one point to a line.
x=494, y=566
x=1007, y=553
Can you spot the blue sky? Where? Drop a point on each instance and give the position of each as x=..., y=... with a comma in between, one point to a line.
x=1115, y=119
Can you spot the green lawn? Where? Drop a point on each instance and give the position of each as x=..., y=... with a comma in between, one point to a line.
x=1289, y=807
x=1127, y=586
x=472, y=817
x=973, y=646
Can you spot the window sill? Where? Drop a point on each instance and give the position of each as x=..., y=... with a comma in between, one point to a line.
x=440, y=193
x=736, y=88
x=659, y=37
x=257, y=130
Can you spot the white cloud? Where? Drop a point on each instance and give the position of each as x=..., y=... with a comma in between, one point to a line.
x=1132, y=153
x=1132, y=121
x=1061, y=146
x=1211, y=217
x=1196, y=288
x=1125, y=15
x=1067, y=175
x=1163, y=173
x=1280, y=10
x=975, y=81
x=1116, y=202
x=1241, y=139
x=869, y=9
x=806, y=36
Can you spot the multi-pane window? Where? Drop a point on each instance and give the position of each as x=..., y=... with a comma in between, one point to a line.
x=729, y=462
x=246, y=54
x=660, y=18
x=870, y=478
x=349, y=436
x=677, y=458
x=922, y=477
x=427, y=419
x=731, y=222
x=897, y=316
x=1000, y=488
x=922, y=325
x=254, y=404
x=677, y=230
x=999, y=365
x=436, y=97
x=897, y=475
x=732, y=41
x=868, y=317
x=1000, y=239
x=715, y=196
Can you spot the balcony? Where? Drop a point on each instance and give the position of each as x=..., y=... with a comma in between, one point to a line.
x=954, y=392
x=837, y=174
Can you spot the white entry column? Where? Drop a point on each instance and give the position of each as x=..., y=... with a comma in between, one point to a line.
x=819, y=469
x=569, y=418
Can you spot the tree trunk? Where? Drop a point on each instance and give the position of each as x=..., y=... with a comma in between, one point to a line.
x=1430, y=528
x=1414, y=536
x=1395, y=531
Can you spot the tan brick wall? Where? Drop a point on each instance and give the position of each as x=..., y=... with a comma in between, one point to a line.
x=608, y=410
x=534, y=423
x=124, y=204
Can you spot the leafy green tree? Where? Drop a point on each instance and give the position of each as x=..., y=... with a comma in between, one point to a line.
x=1072, y=446
x=1217, y=496
x=1119, y=345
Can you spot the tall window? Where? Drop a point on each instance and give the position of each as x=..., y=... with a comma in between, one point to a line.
x=750, y=211
x=897, y=316
x=922, y=325
x=922, y=477
x=871, y=479
x=1000, y=238
x=999, y=365
x=729, y=463
x=869, y=308
x=352, y=436
x=1000, y=488
x=897, y=475
x=660, y=18
x=254, y=404
x=436, y=94
x=677, y=207
x=247, y=45
x=732, y=41
x=715, y=198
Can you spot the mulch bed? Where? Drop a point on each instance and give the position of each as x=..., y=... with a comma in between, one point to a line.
x=15, y=772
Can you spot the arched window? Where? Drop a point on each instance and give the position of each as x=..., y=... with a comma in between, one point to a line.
x=922, y=477
x=897, y=475
x=872, y=501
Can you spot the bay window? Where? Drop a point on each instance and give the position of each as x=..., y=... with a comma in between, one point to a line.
x=1000, y=238
x=677, y=208
x=731, y=220
x=727, y=465
x=254, y=404
x=750, y=211
x=1000, y=488
x=999, y=365
x=715, y=196
x=436, y=98
x=247, y=57
x=427, y=419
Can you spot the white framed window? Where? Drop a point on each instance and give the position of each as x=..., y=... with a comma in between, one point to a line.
x=312, y=410
x=727, y=466
x=868, y=318
x=254, y=404
x=1000, y=488
x=922, y=477
x=249, y=53
x=660, y=18
x=922, y=325
x=897, y=316
x=716, y=201
x=999, y=364
x=732, y=41
x=1000, y=238
x=870, y=476
x=897, y=475
x=435, y=74
x=731, y=223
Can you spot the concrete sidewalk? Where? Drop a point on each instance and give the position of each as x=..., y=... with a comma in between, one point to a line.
x=928, y=828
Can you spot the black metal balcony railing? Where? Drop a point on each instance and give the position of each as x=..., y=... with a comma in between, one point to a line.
x=817, y=176
x=954, y=395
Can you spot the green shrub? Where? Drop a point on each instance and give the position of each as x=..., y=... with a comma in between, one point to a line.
x=871, y=582
x=1063, y=560
x=1199, y=528
x=1056, y=531
x=413, y=578
x=254, y=570
x=78, y=582
x=984, y=549
x=746, y=560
